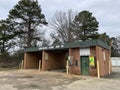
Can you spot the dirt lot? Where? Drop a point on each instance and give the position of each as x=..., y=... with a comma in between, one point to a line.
x=38, y=80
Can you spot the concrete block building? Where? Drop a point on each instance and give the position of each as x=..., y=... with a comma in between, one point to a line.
x=82, y=57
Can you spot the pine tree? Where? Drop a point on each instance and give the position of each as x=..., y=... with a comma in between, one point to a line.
x=105, y=38
x=6, y=37
x=26, y=17
x=85, y=26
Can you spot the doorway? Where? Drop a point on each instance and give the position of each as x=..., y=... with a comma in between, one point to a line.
x=84, y=65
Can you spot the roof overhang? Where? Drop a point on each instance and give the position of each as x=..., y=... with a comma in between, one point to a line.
x=68, y=45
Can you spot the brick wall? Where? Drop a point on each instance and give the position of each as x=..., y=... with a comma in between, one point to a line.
x=31, y=60
x=55, y=60
x=93, y=70
x=95, y=51
x=104, y=64
x=76, y=56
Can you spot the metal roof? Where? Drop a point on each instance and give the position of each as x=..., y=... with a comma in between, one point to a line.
x=79, y=44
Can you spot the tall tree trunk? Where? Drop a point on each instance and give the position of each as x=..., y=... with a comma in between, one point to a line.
x=29, y=33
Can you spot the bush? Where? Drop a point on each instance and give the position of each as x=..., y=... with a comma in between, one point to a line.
x=8, y=61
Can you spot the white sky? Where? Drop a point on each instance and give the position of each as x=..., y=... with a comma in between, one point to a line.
x=106, y=11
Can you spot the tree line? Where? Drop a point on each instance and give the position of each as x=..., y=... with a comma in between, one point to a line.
x=23, y=28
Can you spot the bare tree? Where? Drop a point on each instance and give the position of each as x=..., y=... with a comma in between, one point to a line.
x=62, y=24
x=118, y=45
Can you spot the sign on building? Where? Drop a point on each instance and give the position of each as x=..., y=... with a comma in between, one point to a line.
x=46, y=56
x=85, y=52
x=92, y=61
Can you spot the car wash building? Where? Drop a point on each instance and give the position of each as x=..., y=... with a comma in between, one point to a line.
x=82, y=57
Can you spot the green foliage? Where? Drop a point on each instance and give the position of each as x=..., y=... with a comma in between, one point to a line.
x=86, y=26
x=26, y=17
x=114, y=42
x=114, y=48
x=6, y=37
x=105, y=38
x=56, y=42
x=20, y=29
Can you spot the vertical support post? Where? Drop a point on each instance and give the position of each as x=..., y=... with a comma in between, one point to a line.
x=22, y=65
x=39, y=65
x=67, y=67
x=98, y=70
x=109, y=67
x=43, y=61
x=70, y=54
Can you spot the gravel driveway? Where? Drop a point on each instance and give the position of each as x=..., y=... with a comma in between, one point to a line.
x=38, y=80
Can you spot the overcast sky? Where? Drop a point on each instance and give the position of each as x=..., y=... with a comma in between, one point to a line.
x=107, y=12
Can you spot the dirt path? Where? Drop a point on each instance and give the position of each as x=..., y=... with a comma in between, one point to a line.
x=35, y=80
x=109, y=83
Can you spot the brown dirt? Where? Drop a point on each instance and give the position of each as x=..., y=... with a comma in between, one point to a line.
x=39, y=80
x=111, y=82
